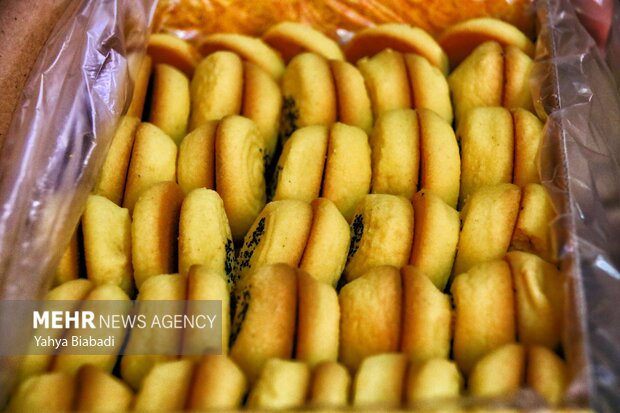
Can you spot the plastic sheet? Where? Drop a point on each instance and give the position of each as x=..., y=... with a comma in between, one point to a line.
x=58, y=139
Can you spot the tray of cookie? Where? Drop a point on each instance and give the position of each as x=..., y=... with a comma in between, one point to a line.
x=392, y=215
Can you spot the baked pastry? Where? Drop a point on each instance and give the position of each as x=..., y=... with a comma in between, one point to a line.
x=111, y=181
x=379, y=381
x=547, y=374
x=331, y=384
x=399, y=37
x=488, y=220
x=292, y=38
x=385, y=75
x=107, y=243
x=263, y=324
x=427, y=318
x=435, y=237
x=205, y=283
x=249, y=48
x=282, y=384
x=165, y=387
x=308, y=94
x=262, y=102
x=518, y=64
x=218, y=383
x=428, y=86
x=170, y=101
x=484, y=312
x=325, y=254
x=487, y=148
x=347, y=175
x=370, y=315
x=99, y=391
x=395, y=153
x=154, y=231
x=196, y=160
x=533, y=228
x=436, y=378
x=278, y=235
x=69, y=266
x=460, y=39
x=318, y=321
x=153, y=160
x=204, y=234
x=528, y=135
x=239, y=172
x=140, y=87
x=169, y=49
x=299, y=172
x=353, y=101
x=539, y=292
x=49, y=392
x=499, y=373
x=381, y=234
x=216, y=88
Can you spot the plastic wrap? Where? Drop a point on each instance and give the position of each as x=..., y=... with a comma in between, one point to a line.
x=58, y=138
x=80, y=85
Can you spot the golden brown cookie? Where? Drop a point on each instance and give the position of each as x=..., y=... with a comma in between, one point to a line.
x=347, y=175
x=484, y=312
x=155, y=230
x=169, y=49
x=99, y=391
x=49, y=392
x=379, y=381
x=437, y=378
x=352, y=97
x=331, y=384
x=547, y=373
x=518, y=69
x=69, y=266
x=292, y=38
x=528, y=135
x=140, y=87
x=282, y=384
x=165, y=387
x=381, y=234
x=196, y=161
x=499, y=373
x=218, y=383
x=370, y=315
x=428, y=86
x=170, y=101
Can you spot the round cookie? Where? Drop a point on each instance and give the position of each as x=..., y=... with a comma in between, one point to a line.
x=381, y=234
x=498, y=373
x=154, y=231
x=460, y=39
x=318, y=321
x=308, y=94
x=517, y=91
x=429, y=86
x=140, y=87
x=484, y=312
x=170, y=101
x=299, y=172
x=547, y=373
x=262, y=102
x=239, y=172
x=263, y=325
x=292, y=38
x=249, y=48
x=165, y=387
x=385, y=75
x=282, y=384
x=436, y=378
x=353, y=102
x=204, y=233
x=395, y=153
x=370, y=315
x=153, y=160
x=400, y=37
x=327, y=247
x=196, y=161
x=379, y=381
x=100, y=391
x=218, y=383
x=169, y=49
x=278, y=235
x=216, y=89
x=528, y=136
x=347, y=175
x=331, y=384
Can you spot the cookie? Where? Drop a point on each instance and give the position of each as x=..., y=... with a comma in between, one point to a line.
x=216, y=89
x=436, y=378
x=379, y=381
x=69, y=266
x=153, y=160
x=196, y=160
x=204, y=233
x=165, y=387
x=484, y=312
x=331, y=384
x=169, y=49
x=155, y=230
x=435, y=237
x=370, y=315
x=292, y=38
x=50, y=392
x=107, y=243
x=428, y=86
x=282, y=384
x=499, y=373
x=518, y=70
x=140, y=87
x=347, y=175
x=239, y=172
x=547, y=374
x=325, y=254
x=218, y=383
x=528, y=136
x=381, y=234
x=99, y=391
x=353, y=102
x=170, y=101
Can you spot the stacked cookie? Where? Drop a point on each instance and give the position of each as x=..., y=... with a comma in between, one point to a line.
x=365, y=251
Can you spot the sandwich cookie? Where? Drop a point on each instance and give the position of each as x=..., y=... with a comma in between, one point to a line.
x=196, y=161
x=291, y=39
x=528, y=136
x=353, y=102
x=428, y=87
x=170, y=102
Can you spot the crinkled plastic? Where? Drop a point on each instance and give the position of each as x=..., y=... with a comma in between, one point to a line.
x=580, y=165
x=79, y=88
x=58, y=138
